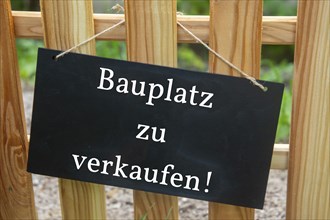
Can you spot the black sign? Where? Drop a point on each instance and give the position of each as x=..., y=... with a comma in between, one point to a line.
x=153, y=128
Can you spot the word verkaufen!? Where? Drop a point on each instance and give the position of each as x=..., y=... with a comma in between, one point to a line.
x=135, y=172
x=180, y=97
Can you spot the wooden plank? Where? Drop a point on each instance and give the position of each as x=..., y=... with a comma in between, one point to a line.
x=235, y=33
x=151, y=38
x=103, y=21
x=16, y=191
x=280, y=157
x=309, y=164
x=67, y=23
x=278, y=30
x=28, y=24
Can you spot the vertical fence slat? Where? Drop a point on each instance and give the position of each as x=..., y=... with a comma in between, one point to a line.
x=67, y=23
x=235, y=33
x=152, y=38
x=309, y=164
x=16, y=191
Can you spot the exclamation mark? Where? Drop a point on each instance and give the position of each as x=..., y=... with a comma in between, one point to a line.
x=209, y=174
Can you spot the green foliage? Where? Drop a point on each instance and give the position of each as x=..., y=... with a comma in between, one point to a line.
x=281, y=73
x=280, y=7
x=27, y=50
x=188, y=58
x=111, y=49
x=26, y=5
x=105, y=6
x=194, y=7
x=19, y=5
x=278, y=53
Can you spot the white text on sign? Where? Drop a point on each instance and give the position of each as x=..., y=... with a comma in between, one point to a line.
x=166, y=176
x=144, y=130
x=156, y=91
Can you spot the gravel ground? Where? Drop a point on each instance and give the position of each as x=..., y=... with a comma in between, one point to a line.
x=120, y=203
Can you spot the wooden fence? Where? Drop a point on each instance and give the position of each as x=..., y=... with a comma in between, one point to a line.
x=234, y=28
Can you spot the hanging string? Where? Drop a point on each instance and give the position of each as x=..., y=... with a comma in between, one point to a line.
x=89, y=39
x=247, y=76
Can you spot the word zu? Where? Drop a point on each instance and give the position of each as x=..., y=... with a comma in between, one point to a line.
x=145, y=128
x=155, y=91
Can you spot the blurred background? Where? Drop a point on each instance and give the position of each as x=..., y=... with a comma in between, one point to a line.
x=276, y=64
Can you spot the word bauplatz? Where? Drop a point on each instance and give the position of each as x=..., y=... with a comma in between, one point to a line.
x=155, y=90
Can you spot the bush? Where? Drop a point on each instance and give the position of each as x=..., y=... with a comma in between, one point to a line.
x=27, y=50
x=281, y=73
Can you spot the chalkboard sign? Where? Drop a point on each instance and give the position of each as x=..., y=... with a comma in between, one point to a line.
x=153, y=128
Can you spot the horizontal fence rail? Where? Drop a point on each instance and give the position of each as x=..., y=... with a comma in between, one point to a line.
x=277, y=30
x=280, y=157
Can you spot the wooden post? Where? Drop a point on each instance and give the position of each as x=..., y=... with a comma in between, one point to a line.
x=309, y=164
x=16, y=191
x=152, y=38
x=67, y=23
x=235, y=33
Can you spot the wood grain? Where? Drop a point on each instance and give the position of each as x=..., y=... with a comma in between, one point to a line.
x=16, y=191
x=151, y=31
x=151, y=38
x=235, y=33
x=309, y=164
x=67, y=23
x=28, y=24
x=280, y=159
x=276, y=30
